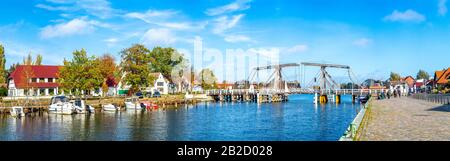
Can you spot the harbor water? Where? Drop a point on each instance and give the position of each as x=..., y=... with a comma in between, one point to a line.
x=296, y=120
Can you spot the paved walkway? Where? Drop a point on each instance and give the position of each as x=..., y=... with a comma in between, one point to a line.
x=407, y=119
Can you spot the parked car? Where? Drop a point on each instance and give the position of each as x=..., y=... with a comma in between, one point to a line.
x=140, y=95
x=156, y=94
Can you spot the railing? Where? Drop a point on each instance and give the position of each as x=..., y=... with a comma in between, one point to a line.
x=290, y=91
x=435, y=98
x=353, y=129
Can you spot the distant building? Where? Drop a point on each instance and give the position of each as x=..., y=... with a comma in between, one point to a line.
x=161, y=84
x=225, y=86
x=33, y=80
x=409, y=80
x=377, y=86
x=441, y=77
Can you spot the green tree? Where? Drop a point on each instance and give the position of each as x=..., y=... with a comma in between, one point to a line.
x=395, y=76
x=3, y=73
x=38, y=60
x=422, y=75
x=164, y=60
x=81, y=73
x=208, y=79
x=135, y=67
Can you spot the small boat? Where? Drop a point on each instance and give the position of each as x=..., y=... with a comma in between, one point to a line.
x=109, y=107
x=133, y=103
x=17, y=111
x=61, y=105
x=81, y=107
x=363, y=99
x=149, y=105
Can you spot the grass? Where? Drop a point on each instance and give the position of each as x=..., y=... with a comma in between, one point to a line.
x=365, y=121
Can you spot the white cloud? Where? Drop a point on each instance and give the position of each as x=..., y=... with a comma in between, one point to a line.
x=76, y=26
x=407, y=16
x=151, y=14
x=111, y=40
x=60, y=1
x=363, y=42
x=238, y=5
x=161, y=36
x=224, y=23
x=298, y=49
x=237, y=38
x=98, y=8
x=53, y=8
x=160, y=18
x=442, y=7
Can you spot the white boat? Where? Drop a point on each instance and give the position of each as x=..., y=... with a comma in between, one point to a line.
x=81, y=107
x=61, y=105
x=17, y=111
x=133, y=104
x=109, y=107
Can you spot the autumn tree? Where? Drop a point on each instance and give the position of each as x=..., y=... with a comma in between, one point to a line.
x=3, y=72
x=422, y=75
x=395, y=76
x=208, y=79
x=38, y=60
x=28, y=60
x=135, y=67
x=108, y=70
x=27, y=86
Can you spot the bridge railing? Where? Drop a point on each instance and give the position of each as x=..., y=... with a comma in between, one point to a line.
x=292, y=91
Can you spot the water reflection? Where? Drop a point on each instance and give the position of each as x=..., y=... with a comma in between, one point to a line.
x=298, y=119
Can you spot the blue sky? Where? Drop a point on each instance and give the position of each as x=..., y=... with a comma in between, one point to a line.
x=374, y=37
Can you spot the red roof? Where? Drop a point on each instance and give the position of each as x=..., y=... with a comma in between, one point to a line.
x=419, y=84
x=38, y=71
x=442, y=76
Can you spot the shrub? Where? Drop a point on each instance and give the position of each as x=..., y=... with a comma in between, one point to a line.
x=3, y=91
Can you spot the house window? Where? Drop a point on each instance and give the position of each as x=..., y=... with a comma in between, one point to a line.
x=51, y=91
x=42, y=91
x=34, y=80
x=159, y=83
x=50, y=80
x=41, y=79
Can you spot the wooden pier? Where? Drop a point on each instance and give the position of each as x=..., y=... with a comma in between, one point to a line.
x=244, y=95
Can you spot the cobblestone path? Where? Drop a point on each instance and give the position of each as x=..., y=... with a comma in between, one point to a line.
x=407, y=119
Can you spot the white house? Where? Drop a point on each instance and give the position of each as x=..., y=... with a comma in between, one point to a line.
x=160, y=84
x=33, y=80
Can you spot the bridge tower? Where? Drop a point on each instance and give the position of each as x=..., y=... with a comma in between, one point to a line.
x=326, y=82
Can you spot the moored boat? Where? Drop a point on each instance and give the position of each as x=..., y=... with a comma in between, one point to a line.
x=133, y=104
x=17, y=111
x=61, y=105
x=82, y=107
x=109, y=107
x=149, y=105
